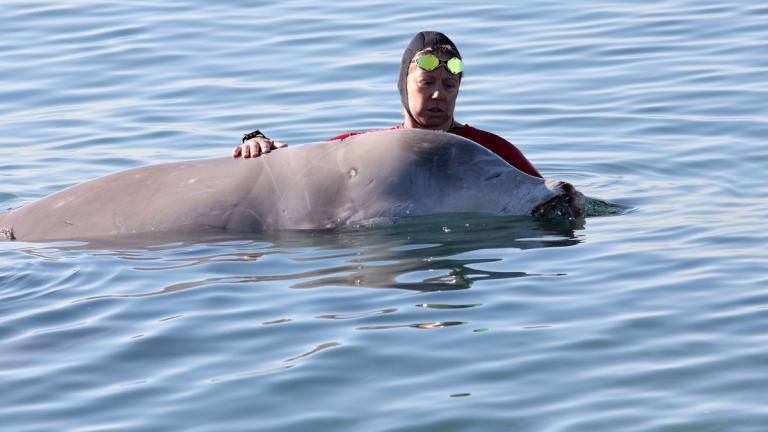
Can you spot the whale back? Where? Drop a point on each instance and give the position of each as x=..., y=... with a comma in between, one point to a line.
x=322, y=185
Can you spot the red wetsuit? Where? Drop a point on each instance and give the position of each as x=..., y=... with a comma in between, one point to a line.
x=503, y=148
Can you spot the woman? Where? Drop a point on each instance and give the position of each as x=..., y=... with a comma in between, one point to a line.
x=430, y=75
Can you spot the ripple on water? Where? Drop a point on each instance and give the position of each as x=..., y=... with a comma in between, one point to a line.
x=649, y=319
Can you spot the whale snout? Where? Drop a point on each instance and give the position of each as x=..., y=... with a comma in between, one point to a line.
x=568, y=204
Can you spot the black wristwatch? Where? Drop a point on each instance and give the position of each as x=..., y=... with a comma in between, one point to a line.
x=254, y=134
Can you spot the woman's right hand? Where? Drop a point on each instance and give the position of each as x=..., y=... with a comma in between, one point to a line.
x=256, y=146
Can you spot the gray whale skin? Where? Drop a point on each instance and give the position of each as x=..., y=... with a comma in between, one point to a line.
x=313, y=186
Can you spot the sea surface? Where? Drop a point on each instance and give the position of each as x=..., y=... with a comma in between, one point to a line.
x=651, y=318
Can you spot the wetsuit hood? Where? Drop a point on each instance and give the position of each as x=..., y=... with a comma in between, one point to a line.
x=422, y=40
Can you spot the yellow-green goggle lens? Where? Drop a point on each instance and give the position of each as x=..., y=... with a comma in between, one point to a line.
x=455, y=65
x=430, y=62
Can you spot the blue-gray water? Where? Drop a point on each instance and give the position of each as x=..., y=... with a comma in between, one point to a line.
x=653, y=320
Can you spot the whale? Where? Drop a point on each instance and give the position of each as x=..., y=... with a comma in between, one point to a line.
x=363, y=179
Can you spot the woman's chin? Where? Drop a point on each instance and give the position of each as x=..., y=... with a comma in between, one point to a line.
x=433, y=122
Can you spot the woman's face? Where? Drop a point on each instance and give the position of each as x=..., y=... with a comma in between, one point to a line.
x=432, y=97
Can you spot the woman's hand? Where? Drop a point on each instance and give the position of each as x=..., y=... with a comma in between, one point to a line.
x=256, y=146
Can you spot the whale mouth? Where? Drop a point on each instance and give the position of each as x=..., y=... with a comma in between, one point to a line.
x=558, y=207
x=569, y=204
x=6, y=233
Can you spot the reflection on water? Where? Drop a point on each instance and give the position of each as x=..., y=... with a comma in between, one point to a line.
x=291, y=363
x=151, y=302
x=421, y=254
x=426, y=326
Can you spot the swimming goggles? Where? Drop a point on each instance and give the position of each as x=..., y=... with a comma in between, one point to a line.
x=430, y=62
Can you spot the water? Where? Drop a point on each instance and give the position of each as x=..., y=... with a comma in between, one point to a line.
x=652, y=320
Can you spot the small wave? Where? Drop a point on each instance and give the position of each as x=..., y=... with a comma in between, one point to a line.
x=596, y=207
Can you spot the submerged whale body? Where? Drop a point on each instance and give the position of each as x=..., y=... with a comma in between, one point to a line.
x=363, y=178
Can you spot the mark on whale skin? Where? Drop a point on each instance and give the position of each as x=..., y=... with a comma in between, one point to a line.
x=492, y=176
x=64, y=201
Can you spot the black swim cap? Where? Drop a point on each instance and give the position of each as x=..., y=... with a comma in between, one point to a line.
x=422, y=40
